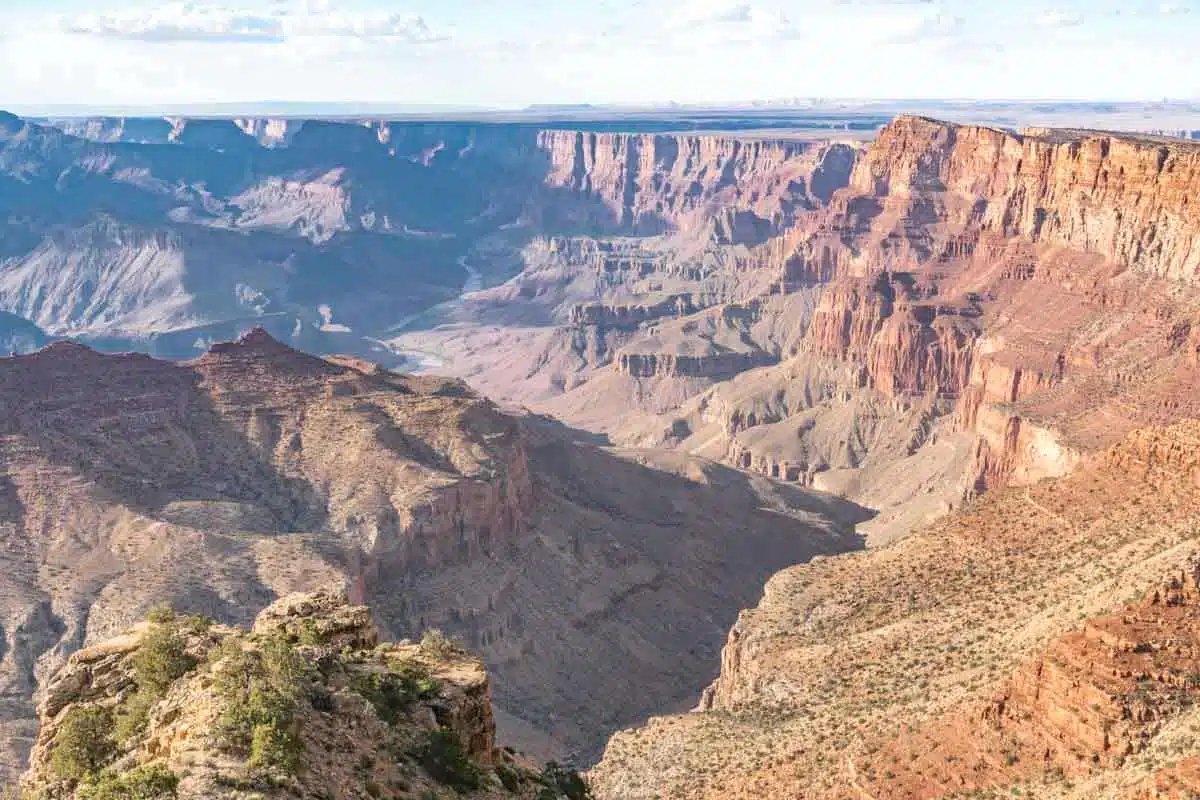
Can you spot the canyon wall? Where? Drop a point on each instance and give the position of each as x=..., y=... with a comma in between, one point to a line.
x=1026, y=643
x=1033, y=295
x=990, y=293
x=992, y=269
x=115, y=231
x=1126, y=198
x=654, y=183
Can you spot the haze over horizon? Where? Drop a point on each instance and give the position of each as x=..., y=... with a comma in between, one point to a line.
x=463, y=53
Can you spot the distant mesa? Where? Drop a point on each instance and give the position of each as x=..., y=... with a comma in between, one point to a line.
x=10, y=123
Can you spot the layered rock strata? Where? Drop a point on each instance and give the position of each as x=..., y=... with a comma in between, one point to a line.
x=655, y=183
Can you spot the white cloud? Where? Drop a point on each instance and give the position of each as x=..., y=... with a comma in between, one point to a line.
x=179, y=22
x=571, y=51
x=1170, y=9
x=364, y=26
x=701, y=12
x=198, y=22
x=708, y=21
x=936, y=26
x=1056, y=18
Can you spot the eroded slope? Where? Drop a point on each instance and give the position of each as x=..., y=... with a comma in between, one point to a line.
x=598, y=585
x=876, y=674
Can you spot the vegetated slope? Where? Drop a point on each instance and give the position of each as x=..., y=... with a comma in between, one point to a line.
x=306, y=704
x=598, y=585
x=1042, y=638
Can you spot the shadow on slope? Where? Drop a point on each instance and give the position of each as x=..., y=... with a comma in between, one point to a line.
x=615, y=604
x=604, y=599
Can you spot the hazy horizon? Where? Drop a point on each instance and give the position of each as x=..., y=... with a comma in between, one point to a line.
x=775, y=108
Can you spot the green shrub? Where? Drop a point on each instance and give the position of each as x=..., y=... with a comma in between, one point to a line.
x=161, y=614
x=309, y=634
x=438, y=644
x=84, y=743
x=197, y=623
x=273, y=745
x=161, y=659
x=393, y=693
x=134, y=715
x=143, y=783
x=243, y=715
x=417, y=676
x=284, y=667
x=508, y=777
x=560, y=781
x=444, y=758
x=260, y=691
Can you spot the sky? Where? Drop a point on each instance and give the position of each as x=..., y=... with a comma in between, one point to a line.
x=513, y=53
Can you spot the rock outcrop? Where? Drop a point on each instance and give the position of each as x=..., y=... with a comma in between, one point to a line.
x=653, y=184
x=717, y=365
x=305, y=705
x=905, y=344
x=1126, y=198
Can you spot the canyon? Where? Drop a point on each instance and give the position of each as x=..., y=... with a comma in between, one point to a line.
x=715, y=362
x=581, y=574
x=983, y=305
x=1035, y=292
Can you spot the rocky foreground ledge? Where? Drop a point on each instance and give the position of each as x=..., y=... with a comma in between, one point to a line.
x=307, y=704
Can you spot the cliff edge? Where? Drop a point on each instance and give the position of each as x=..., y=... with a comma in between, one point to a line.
x=306, y=704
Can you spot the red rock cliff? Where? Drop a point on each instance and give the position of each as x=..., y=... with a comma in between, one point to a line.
x=1131, y=200
x=1031, y=275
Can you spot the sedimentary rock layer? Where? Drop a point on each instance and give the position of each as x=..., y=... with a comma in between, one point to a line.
x=654, y=183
